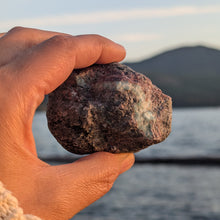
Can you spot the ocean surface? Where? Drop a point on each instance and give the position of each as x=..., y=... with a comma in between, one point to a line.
x=159, y=192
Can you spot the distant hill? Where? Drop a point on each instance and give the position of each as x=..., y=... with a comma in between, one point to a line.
x=190, y=75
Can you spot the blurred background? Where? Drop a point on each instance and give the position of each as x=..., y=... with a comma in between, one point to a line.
x=176, y=44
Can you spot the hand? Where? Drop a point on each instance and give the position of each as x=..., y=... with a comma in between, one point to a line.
x=34, y=63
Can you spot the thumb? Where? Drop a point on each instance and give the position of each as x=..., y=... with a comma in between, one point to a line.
x=81, y=183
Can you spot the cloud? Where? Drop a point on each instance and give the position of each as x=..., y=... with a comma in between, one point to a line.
x=109, y=16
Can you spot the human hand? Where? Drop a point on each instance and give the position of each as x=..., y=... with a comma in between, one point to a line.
x=34, y=63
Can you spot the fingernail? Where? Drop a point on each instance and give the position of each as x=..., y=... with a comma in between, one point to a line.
x=127, y=162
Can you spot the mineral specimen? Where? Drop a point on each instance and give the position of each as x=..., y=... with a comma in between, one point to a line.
x=108, y=108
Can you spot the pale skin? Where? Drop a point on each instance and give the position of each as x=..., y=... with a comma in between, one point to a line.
x=34, y=63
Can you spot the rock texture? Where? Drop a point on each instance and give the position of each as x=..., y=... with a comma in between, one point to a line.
x=108, y=108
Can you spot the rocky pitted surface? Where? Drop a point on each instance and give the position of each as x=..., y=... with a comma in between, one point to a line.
x=108, y=108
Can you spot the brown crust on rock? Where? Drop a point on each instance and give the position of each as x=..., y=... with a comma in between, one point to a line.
x=108, y=108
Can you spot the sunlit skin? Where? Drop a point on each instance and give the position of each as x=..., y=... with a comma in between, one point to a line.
x=34, y=63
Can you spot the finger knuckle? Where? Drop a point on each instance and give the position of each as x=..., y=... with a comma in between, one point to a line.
x=61, y=40
x=108, y=178
x=99, y=39
x=97, y=36
x=17, y=29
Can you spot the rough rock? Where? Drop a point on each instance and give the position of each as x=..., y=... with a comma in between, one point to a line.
x=108, y=108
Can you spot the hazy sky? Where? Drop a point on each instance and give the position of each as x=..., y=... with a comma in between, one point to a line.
x=143, y=27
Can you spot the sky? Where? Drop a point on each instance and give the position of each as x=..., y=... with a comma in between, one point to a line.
x=145, y=28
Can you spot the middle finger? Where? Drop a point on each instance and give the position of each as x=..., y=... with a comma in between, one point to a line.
x=19, y=39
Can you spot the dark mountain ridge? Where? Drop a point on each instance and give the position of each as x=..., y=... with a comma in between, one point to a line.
x=190, y=75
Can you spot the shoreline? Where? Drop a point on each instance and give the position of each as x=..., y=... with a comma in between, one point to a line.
x=180, y=161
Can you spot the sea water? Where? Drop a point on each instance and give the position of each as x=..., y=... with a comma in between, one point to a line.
x=159, y=192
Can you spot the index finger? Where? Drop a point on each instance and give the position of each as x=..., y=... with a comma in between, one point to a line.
x=50, y=63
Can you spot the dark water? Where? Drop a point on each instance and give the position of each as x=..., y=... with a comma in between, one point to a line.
x=195, y=132
x=159, y=192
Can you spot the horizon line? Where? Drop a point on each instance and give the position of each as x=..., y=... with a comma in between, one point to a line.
x=171, y=48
